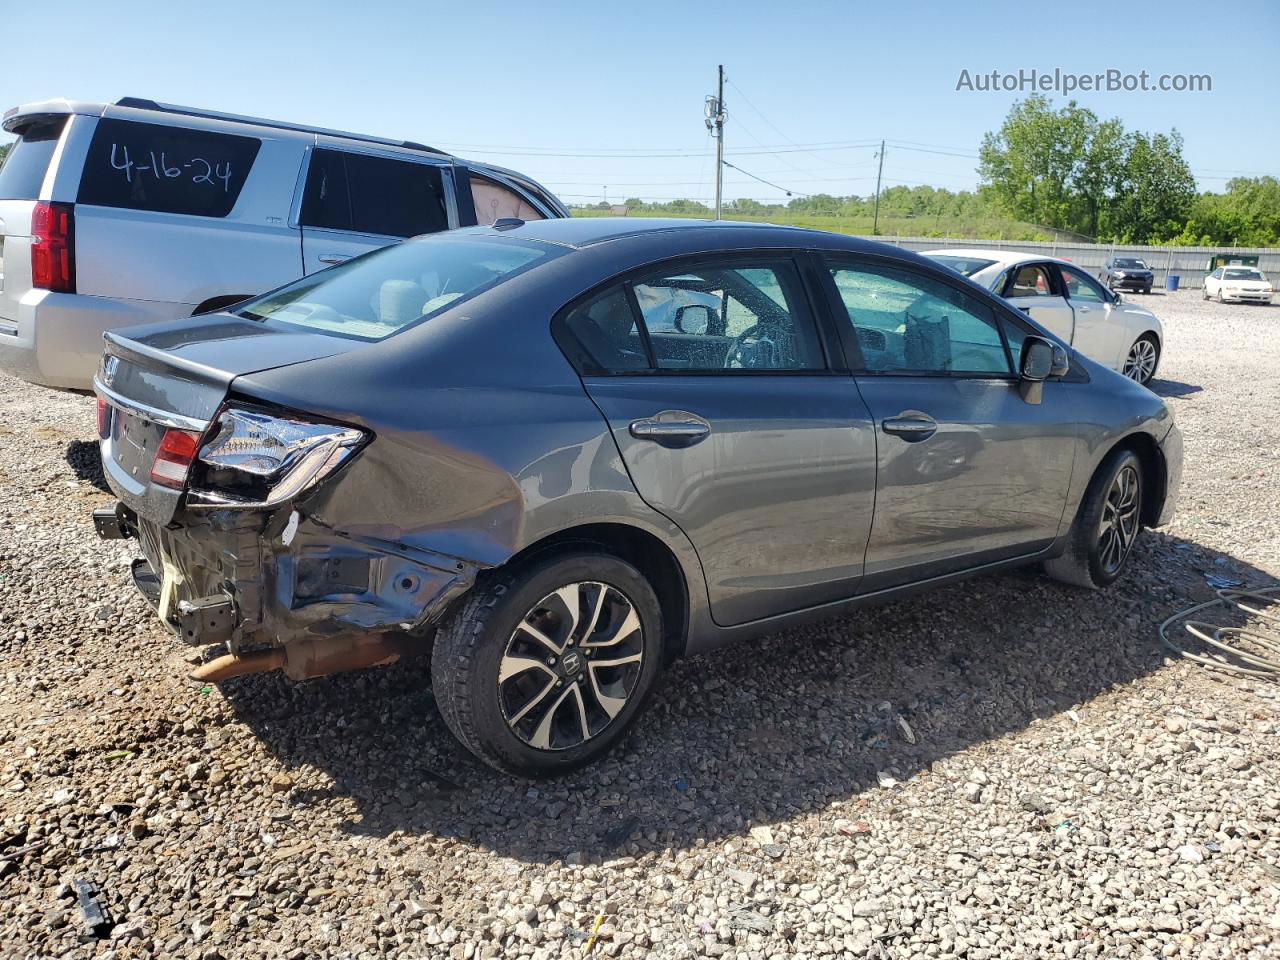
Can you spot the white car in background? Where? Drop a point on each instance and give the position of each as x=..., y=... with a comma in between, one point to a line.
x=1238, y=283
x=1068, y=303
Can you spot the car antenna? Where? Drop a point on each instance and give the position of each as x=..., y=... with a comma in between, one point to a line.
x=507, y=223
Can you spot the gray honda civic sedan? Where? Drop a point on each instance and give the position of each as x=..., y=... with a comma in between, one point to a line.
x=558, y=455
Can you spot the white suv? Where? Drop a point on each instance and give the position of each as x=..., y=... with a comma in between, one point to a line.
x=126, y=213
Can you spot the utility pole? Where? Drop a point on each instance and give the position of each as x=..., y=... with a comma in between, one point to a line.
x=875, y=220
x=715, y=123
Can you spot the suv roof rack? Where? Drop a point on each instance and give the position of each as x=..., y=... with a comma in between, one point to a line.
x=142, y=103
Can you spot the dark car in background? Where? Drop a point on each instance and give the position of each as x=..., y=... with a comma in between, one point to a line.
x=596, y=445
x=1126, y=273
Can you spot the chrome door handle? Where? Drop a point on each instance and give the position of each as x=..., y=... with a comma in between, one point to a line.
x=670, y=433
x=911, y=427
x=1083, y=309
x=333, y=257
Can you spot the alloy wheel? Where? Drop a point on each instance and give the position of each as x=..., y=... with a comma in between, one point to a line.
x=570, y=665
x=1141, y=362
x=1120, y=520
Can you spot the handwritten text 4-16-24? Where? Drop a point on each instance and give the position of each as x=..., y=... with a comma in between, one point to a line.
x=199, y=169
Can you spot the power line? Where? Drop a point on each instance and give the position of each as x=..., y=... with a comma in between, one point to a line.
x=761, y=179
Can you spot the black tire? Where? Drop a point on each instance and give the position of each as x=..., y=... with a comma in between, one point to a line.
x=1083, y=563
x=477, y=637
x=1147, y=291
x=1204, y=293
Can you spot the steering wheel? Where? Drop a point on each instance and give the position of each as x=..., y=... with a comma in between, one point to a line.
x=755, y=350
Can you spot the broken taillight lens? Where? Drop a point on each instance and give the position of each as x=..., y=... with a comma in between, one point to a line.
x=104, y=419
x=174, y=457
x=255, y=459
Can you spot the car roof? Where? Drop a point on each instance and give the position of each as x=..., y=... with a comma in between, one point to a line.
x=580, y=232
x=1004, y=258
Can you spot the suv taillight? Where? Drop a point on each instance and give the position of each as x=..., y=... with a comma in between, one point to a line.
x=53, y=261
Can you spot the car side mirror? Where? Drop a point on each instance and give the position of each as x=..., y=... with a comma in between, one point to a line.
x=693, y=318
x=1115, y=296
x=1041, y=360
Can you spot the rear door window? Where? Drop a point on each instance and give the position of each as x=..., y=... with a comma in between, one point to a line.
x=1031, y=280
x=23, y=171
x=165, y=169
x=494, y=201
x=363, y=193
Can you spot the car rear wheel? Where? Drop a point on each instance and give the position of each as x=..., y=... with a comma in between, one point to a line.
x=1106, y=527
x=545, y=666
x=1144, y=355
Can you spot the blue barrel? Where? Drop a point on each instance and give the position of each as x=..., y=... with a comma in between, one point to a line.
x=1171, y=282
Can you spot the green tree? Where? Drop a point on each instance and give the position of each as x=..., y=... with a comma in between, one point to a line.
x=1031, y=163
x=1154, y=200
x=1067, y=169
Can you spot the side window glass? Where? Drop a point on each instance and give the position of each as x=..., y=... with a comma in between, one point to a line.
x=1031, y=281
x=166, y=169
x=601, y=336
x=1080, y=287
x=494, y=201
x=911, y=323
x=729, y=317
x=368, y=194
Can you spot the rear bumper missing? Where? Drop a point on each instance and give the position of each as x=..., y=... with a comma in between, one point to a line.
x=265, y=580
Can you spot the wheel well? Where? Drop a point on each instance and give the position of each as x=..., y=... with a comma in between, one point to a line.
x=646, y=553
x=219, y=303
x=1153, y=472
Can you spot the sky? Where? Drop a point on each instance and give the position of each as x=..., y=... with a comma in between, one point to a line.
x=606, y=100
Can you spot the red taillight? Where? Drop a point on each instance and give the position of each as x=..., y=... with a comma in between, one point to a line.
x=104, y=418
x=53, y=262
x=173, y=459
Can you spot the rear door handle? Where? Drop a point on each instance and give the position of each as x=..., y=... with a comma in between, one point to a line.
x=912, y=427
x=333, y=257
x=670, y=433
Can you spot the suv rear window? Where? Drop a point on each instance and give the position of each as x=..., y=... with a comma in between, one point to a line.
x=368, y=194
x=24, y=169
x=152, y=166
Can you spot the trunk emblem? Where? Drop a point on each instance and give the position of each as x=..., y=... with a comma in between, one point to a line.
x=110, y=364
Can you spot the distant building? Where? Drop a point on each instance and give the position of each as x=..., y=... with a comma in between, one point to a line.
x=618, y=209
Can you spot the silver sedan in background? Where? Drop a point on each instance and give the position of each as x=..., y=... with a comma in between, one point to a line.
x=1070, y=304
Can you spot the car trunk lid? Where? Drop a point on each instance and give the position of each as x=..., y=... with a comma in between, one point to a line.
x=175, y=376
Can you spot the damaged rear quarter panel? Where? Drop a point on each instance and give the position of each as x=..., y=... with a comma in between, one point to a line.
x=458, y=478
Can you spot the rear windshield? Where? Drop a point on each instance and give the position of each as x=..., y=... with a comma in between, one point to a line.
x=967, y=266
x=153, y=166
x=380, y=293
x=1244, y=274
x=23, y=171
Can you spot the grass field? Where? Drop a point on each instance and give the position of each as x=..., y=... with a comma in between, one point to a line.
x=990, y=229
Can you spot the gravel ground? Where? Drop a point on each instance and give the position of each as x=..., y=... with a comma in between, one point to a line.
x=1006, y=768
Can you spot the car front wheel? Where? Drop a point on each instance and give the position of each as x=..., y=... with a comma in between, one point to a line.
x=544, y=666
x=1106, y=527
x=1144, y=355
